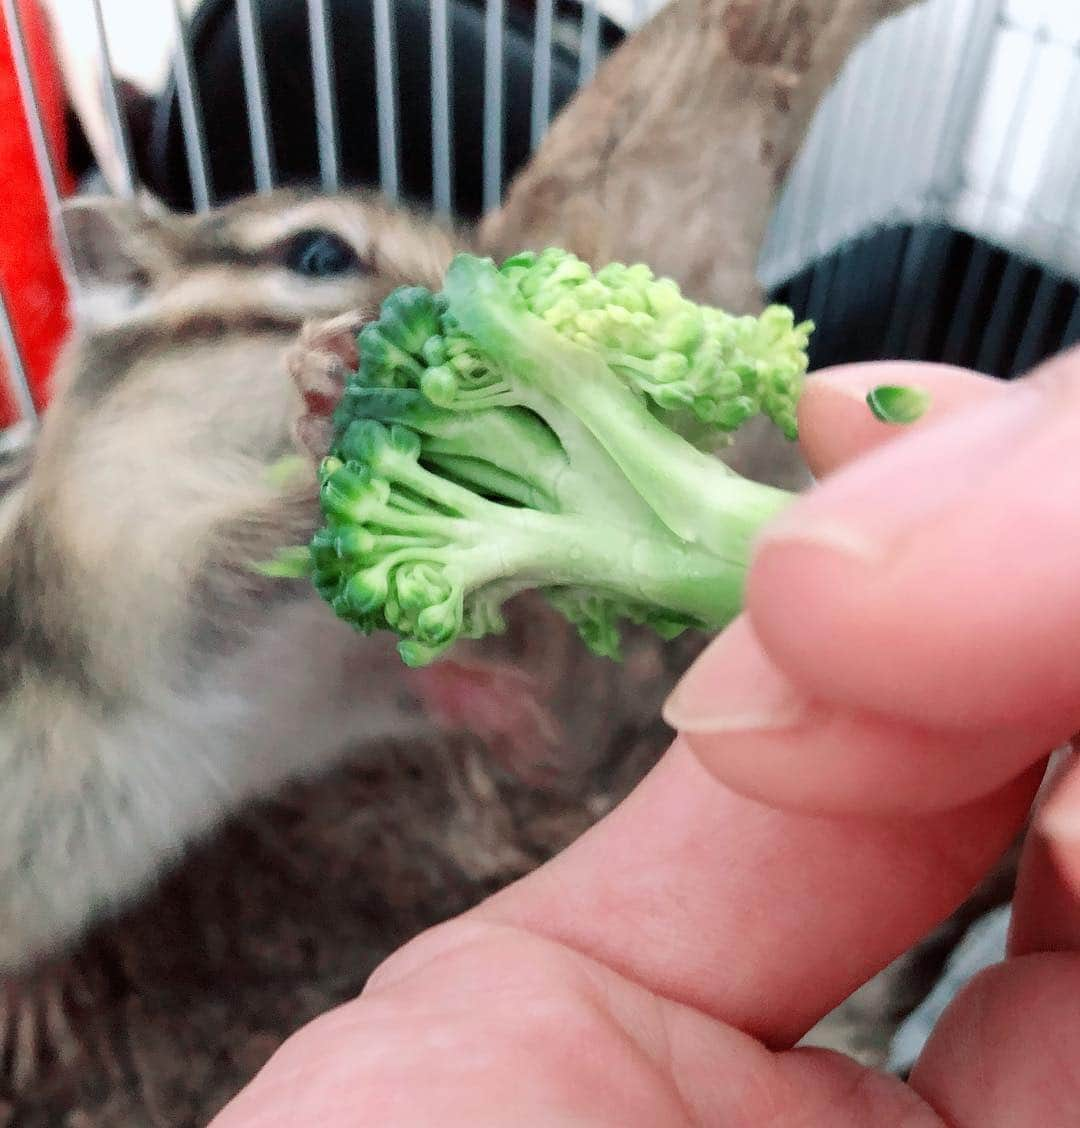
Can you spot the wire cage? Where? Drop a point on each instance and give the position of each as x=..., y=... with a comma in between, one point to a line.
x=932, y=212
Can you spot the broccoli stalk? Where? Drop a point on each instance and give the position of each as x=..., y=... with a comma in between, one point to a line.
x=519, y=431
x=697, y=497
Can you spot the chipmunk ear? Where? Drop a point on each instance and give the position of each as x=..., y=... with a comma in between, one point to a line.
x=118, y=248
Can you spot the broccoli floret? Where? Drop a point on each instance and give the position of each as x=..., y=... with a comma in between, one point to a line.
x=517, y=431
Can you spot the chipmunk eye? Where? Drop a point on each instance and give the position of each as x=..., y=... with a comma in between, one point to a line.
x=320, y=254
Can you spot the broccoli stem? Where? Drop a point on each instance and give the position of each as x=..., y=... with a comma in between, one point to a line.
x=490, y=541
x=506, y=451
x=696, y=496
x=489, y=479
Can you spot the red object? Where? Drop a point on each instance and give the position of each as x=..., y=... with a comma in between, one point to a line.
x=30, y=274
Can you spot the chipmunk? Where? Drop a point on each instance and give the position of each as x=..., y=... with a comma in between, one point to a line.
x=151, y=680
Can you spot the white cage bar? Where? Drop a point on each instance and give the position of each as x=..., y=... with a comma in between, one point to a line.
x=326, y=116
x=202, y=191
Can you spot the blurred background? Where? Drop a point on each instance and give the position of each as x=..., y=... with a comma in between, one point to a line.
x=932, y=213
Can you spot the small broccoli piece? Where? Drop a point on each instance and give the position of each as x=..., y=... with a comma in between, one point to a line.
x=513, y=432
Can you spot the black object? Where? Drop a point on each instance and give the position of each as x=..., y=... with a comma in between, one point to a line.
x=320, y=254
x=930, y=292
x=287, y=66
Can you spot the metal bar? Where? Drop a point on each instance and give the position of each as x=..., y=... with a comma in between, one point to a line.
x=963, y=317
x=989, y=358
x=191, y=117
x=1072, y=329
x=258, y=109
x=907, y=335
x=590, y=40
x=983, y=24
x=117, y=123
x=386, y=98
x=795, y=237
x=541, y=85
x=826, y=184
x=1008, y=297
x=998, y=191
x=441, y=172
x=493, y=104
x=1004, y=308
x=937, y=20
x=1042, y=304
x=1028, y=351
x=884, y=179
x=816, y=178
x=869, y=266
x=16, y=371
x=981, y=27
x=1064, y=126
x=888, y=263
x=43, y=155
x=322, y=79
x=979, y=263
x=881, y=254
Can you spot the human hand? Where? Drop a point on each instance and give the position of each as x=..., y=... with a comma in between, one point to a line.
x=856, y=751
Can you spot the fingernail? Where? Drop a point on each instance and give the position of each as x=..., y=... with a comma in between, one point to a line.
x=1061, y=825
x=866, y=509
x=1059, y=816
x=898, y=404
x=733, y=687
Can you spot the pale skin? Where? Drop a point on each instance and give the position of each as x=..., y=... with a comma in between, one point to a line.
x=855, y=752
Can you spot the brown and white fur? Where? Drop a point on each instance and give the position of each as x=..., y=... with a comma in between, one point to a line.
x=150, y=680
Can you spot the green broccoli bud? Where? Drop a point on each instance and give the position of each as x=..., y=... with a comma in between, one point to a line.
x=598, y=618
x=293, y=563
x=682, y=356
x=509, y=433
